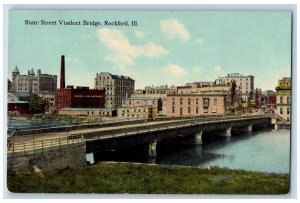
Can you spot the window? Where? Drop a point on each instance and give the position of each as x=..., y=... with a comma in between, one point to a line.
x=281, y=99
x=181, y=111
x=189, y=101
x=197, y=101
x=288, y=119
x=205, y=110
x=181, y=101
x=281, y=110
x=288, y=110
x=197, y=109
x=173, y=101
x=189, y=109
x=288, y=100
x=206, y=102
x=173, y=109
x=215, y=101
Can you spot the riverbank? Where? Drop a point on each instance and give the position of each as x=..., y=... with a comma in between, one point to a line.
x=120, y=178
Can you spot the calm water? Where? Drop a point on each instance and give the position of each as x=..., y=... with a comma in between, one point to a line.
x=265, y=151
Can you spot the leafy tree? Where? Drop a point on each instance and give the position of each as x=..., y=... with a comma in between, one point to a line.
x=37, y=104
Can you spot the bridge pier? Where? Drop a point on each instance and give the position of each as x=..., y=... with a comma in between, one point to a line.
x=228, y=132
x=198, y=138
x=152, y=149
x=250, y=128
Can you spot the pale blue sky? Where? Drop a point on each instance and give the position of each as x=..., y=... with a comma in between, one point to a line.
x=166, y=47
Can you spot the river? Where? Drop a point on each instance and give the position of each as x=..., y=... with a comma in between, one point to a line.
x=263, y=151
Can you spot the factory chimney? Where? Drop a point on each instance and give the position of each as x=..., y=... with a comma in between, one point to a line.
x=62, y=72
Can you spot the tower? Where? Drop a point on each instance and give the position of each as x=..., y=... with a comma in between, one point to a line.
x=15, y=73
x=62, y=72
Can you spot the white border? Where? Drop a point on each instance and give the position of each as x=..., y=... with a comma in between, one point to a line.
x=159, y=6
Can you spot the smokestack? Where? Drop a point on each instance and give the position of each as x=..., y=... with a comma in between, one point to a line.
x=62, y=72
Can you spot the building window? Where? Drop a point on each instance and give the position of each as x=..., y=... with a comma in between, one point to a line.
x=173, y=101
x=197, y=101
x=181, y=111
x=288, y=111
x=281, y=110
x=215, y=101
x=288, y=100
x=173, y=109
x=288, y=119
x=189, y=109
x=197, y=109
x=281, y=99
x=189, y=101
x=181, y=101
x=205, y=110
x=206, y=102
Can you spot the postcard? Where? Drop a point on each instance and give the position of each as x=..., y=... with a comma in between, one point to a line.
x=149, y=102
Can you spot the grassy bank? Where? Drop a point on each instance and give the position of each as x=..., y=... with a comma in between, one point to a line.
x=149, y=179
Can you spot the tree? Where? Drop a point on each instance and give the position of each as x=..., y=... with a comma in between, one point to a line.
x=37, y=104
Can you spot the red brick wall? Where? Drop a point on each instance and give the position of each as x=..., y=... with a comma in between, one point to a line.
x=79, y=98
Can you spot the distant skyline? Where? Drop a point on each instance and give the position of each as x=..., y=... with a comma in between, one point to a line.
x=166, y=47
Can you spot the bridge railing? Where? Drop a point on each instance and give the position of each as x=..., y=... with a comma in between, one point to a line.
x=148, y=128
x=34, y=145
x=108, y=123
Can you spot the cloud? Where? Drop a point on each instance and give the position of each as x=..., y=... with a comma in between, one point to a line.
x=199, y=41
x=122, y=52
x=218, y=69
x=72, y=60
x=139, y=34
x=175, y=70
x=173, y=29
x=197, y=69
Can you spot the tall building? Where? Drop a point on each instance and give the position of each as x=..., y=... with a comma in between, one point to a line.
x=245, y=84
x=283, y=98
x=117, y=87
x=80, y=97
x=33, y=83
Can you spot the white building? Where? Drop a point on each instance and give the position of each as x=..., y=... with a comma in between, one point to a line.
x=33, y=83
x=245, y=84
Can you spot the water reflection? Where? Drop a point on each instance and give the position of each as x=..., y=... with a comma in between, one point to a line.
x=267, y=151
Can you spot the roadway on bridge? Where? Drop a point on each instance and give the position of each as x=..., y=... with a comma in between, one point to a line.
x=53, y=135
x=81, y=131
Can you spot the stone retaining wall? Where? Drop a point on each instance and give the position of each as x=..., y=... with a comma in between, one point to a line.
x=60, y=157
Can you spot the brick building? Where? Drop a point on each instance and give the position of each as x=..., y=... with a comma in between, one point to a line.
x=17, y=107
x=196, y=104
x=80, y=97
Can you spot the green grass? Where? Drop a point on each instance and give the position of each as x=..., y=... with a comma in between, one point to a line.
x=149, y=179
